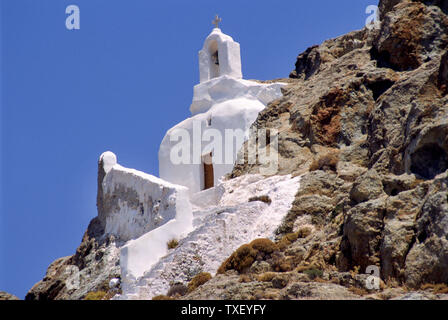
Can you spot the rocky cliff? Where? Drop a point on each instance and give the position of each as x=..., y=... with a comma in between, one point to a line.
x=364, y=123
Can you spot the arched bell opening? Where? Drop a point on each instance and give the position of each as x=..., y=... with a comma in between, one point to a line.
x=214, y=59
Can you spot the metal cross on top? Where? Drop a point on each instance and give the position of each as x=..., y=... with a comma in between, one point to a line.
x=216, y=21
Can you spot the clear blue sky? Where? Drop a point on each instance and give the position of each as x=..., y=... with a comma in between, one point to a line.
x=116, y=84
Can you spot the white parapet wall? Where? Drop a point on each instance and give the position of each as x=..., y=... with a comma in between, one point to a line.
x=140, y=255
x=133, y=203
x=136, y=205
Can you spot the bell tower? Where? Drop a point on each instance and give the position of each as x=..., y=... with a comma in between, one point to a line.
x=219, y=56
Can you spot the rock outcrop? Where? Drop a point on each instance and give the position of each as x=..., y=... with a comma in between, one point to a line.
x=90, y=269
x=374, y=103
x=7, y=296
x=94, y=264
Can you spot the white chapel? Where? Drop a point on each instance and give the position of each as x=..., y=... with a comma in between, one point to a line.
x=199, y=151
x=146, y=212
